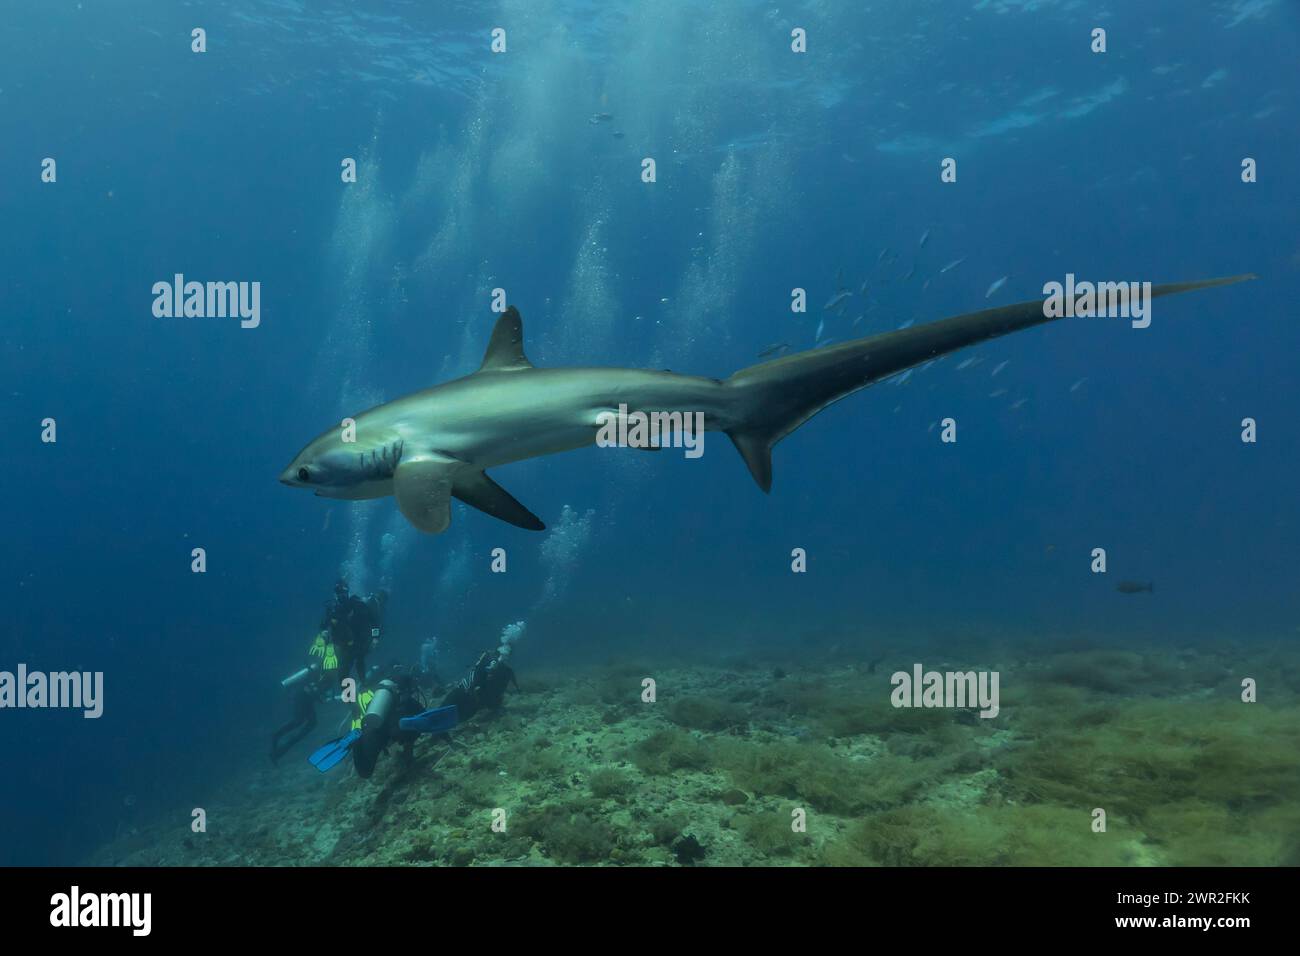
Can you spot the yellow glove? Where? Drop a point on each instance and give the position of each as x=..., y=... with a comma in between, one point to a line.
x=317, y=648
x=363, y=704
x=331, y=659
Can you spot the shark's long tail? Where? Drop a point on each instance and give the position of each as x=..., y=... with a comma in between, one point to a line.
x=775, y=398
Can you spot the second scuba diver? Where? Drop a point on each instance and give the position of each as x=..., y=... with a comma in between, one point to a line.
x=349, y=630
x=392, y=712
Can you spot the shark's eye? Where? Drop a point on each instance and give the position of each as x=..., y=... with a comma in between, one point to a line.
x=304, y=474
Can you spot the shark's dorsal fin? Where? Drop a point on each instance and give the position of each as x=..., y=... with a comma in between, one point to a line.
x=505, y=351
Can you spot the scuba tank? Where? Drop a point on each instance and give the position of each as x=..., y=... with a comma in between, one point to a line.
x=380, y=706
x=293, y=680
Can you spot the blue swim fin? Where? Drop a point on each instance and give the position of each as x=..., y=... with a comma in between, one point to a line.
x=439, y=720
x=328, y=756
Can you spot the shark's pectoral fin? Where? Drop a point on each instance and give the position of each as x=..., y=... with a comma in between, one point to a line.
x=422, y=487
x=479, y=491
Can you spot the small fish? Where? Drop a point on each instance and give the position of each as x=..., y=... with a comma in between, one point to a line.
x=862, y=291
x=908, y=274
x=925, y=285
x=774, y=349
x=856, y=321
x=901, y=379
x=1135, y=587
x=997, y=284
x=838, y=299
x=823, y=343
x=906, y=325
x=932, y=427
x=1017, y=404
x=601, y=118
x=1077, y=385
x=821, y=327
x=999, y=367
x=883, y=253
x=952, y=265
x=967, y=363
x=618, y=134
x=925, y=237
x=998, y=393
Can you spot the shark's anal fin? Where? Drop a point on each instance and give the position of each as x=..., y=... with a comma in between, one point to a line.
x=422, y=487
x=479, y=491
x=505, y=351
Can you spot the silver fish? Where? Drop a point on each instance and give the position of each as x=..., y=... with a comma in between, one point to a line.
x=999, y=367
x=952, y=265
x=997, y=284
x=1075, y=387
x=925, y=237
x=838, y=299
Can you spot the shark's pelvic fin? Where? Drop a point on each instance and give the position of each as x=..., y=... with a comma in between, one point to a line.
x=422, y=487
x=505, y=351
x=479, y=491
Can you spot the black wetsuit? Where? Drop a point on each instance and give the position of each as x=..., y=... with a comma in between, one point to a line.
x=349, y=621
x=375, y=740
x=303, y=721
x=485, y=687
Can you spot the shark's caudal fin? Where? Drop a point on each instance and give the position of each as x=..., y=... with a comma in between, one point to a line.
x=775, y=398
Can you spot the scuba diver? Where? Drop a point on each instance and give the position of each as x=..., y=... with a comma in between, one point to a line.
x=485, y=687
x=349, y=630
x=393, y=712
x=307, y=688
x=396, y=710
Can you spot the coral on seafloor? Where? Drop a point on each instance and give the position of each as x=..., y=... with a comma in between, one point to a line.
x=1105, y=757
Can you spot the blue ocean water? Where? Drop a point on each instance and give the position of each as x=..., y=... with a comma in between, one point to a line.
x=478, y=171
